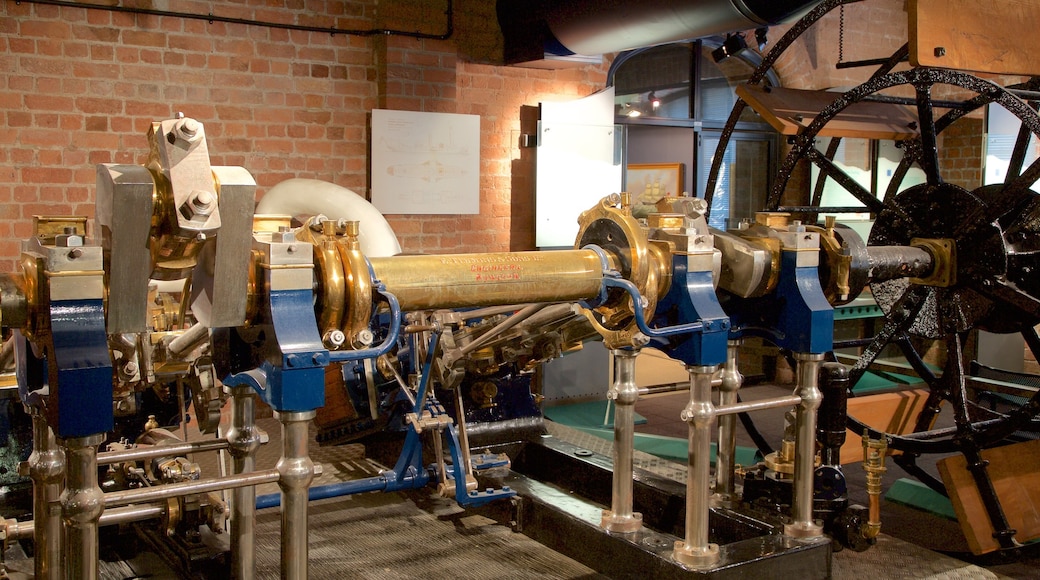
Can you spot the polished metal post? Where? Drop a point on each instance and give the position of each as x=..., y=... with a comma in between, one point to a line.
x=802, y=524
x=624, y=392
x=47, y=470
x=699, y=414
x=243, y=441
x=81, y=504
x=725, y=464
x=297, y=472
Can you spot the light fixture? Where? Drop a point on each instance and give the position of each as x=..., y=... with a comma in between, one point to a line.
x=655, y=103
x=734, y=43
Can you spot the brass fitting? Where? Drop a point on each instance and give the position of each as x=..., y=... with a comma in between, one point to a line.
x=874, y=451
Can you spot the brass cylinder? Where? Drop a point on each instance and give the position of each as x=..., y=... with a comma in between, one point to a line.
x=459, y=280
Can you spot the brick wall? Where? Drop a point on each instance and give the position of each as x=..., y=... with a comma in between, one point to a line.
x=79, y=87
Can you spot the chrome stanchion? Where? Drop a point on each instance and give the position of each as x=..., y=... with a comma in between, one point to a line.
x=725, y=464
x=296, y=473
x=802, y=524
x=243, y=439
x=46, y=467
x=623, y=392
x=699, y=414
x=81, y=505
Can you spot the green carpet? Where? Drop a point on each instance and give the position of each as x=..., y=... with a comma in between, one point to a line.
x=915, y=494
x=588, y=417
x=590, y=414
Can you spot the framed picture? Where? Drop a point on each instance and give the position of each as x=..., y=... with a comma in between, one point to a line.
x=649, y=182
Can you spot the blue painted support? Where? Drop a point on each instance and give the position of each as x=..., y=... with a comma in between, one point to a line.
x=295, y=380
x=80, y=374
x=473, y=498
x=391, y=338
x=408, y=472
x=692, y=297
x=805, y=317
x=796, y=316
x=640, y=314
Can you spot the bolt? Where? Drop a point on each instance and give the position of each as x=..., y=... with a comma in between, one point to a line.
x=188, y=128
x=201, y=203
x=334, y=338
x=292, y=360
x=76, y=253
x=365, y=337
x=130, y=368
x=940, y=51
x=320, y=359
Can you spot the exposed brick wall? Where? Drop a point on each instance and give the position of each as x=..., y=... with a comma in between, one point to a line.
x=458, y=77
x=961, y=153
x=79, y=87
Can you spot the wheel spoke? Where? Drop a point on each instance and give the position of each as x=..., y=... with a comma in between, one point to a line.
x=916, y=362
x=956, y=386
x=899, y=318
x=1027, y=177
x=1005, y=292
x=929, y=148
x=1018, y=156
x=872, y=203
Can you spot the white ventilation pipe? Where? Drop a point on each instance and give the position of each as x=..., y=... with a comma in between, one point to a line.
x=296, y=197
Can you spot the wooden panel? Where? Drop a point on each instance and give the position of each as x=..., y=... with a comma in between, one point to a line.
x=1015, y=472
x=889, y=412
x=995, y=36
x=790, y=111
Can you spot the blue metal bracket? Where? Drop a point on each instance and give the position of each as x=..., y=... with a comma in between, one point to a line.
x=388, y=343
x=797, y=316
x=692, y=297
x=79, y=370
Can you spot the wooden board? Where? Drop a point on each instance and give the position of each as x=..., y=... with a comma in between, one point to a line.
x=991, y=36
x=790, y=111
x=889, y=412
x=1015, y=472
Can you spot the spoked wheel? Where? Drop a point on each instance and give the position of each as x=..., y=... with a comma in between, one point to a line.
x=985, y=248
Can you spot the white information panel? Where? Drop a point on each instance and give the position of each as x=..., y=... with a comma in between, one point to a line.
x=425, y=163
x=576, y=165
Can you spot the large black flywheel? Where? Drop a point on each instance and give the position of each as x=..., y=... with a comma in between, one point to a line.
x=985, y=244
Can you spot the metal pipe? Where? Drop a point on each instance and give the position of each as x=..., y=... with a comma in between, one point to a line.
x=132, y=513
x=121, y=515
x=491, y=311
x=726, y=459
x=624, y=393
x=187, y=341
x=751, y=406
x=467, y=460
x=81, y=505
x=210, y=17
x=696, y=551
x=520, y=316
x=460, y=280
x=888, y=262
x=716, y=382
x=802, y=524
x=244, y=439
x=297, y=472
x=160, y=492
x=153, y=451
x=47, y=470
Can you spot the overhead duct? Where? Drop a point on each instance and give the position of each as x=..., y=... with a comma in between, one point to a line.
x=534, y=30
